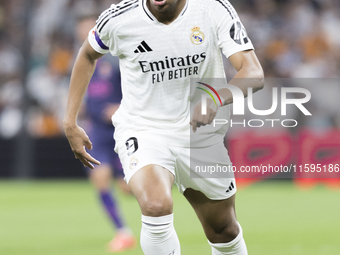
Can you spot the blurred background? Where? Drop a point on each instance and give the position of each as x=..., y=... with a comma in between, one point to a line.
x=294, y=40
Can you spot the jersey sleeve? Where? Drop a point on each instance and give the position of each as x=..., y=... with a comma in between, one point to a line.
x=101, y=37
x=232, y=36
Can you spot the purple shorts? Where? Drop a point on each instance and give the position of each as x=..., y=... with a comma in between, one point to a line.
x=103, y=148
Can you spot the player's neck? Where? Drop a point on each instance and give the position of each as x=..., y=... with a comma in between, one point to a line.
x=169, y=12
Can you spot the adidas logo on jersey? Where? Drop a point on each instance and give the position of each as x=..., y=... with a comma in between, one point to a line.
x=231, y=187
x=143, y=47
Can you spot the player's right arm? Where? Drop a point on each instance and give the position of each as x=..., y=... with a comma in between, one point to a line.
x=82, y=72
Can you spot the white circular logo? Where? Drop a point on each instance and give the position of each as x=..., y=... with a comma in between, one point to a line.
x=197, y=36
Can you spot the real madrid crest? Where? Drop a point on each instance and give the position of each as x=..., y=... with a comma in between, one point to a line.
x=133, y=163
x=197, y=36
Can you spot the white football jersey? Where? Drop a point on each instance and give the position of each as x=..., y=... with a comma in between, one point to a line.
x=158, y=60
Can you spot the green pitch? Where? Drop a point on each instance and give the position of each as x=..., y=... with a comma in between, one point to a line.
x=55, y=217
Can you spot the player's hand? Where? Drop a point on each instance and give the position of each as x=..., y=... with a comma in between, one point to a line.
x=78, y=140
x=198, y=119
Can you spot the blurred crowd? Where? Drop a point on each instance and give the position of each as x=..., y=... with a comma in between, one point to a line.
x=293, y=39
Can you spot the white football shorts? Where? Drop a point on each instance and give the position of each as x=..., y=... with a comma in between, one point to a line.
x=137, y=149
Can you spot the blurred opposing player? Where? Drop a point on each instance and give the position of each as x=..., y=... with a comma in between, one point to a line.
x=102, y=100
x=162, y=44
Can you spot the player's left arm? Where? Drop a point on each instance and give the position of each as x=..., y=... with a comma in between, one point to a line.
x=249, y=74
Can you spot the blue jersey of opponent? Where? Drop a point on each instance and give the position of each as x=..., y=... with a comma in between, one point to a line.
x=104, y=89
